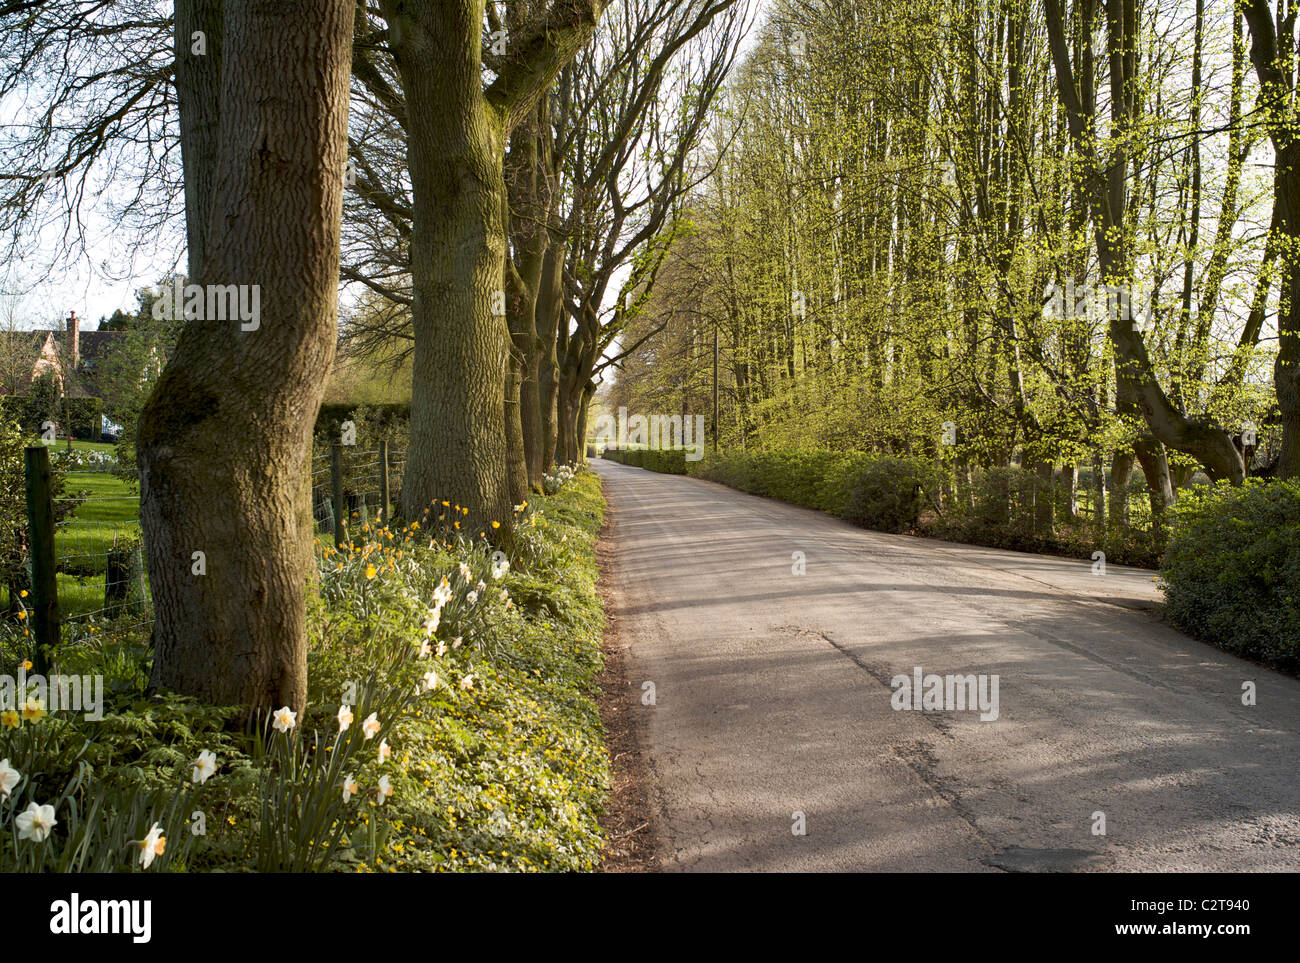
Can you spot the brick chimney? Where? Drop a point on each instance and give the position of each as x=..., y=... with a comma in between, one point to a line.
x=74, y=339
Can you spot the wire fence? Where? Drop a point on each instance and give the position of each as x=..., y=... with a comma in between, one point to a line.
x=365, y=482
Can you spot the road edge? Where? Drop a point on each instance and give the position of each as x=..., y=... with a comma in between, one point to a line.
x=629, y=823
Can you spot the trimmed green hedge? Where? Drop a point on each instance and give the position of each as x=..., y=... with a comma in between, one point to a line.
x=813, y=478
x=669, y=461
x=884, y=493
x=1232, y=569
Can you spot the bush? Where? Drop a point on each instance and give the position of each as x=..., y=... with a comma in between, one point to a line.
x=889, y=494
x=85, y=416
x=668, y=461
x=388, y=420
x=1232, y=569
x=813, y=478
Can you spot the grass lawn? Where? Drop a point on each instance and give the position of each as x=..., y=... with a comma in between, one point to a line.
x=109, y=515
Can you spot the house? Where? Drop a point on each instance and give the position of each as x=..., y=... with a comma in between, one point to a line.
x=70, y=355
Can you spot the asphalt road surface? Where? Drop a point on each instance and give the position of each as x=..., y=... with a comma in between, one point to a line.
x=773, y=703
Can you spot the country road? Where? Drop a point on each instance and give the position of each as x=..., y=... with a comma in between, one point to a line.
x=772, y=698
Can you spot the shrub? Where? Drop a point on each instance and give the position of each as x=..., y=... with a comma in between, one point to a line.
x=390, y=420
x=668, y=461
x=671, y=461
x=813, y=478
x=1232, y=569
x=889, y=494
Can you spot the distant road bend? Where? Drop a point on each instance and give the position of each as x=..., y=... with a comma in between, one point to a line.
x=772, y=702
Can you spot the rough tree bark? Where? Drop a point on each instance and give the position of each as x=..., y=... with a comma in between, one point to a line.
x=225, y=438
x=456, y=141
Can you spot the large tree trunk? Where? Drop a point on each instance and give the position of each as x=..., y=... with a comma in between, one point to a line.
x=1286, y=367
x=455, y=154
x=1044, y=504
x=516, y=460
x=529, y=179
x=550, y=315
x=225, y=438
x=1121, y=471
x=1155, y=466
x=456, y=141
x=580, y=430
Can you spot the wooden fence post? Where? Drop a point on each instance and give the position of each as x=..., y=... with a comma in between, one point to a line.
x=383, y=481
x=45, y=584
x=340, y=510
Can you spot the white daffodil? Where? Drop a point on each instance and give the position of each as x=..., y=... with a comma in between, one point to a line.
x=430, y=680
x=505, y=596
x=499, y=570
x=285, y=719
x=429, y=624
x=480, y=585
x=466, y=572
x=153, y=845
x=384, y=751
x=442, y=649
x=9, y=777
x=371, y=726
x=471, y=598
x=345, y=717
x=384, y=790
x=350, y=787
x=426, y=649
x=205, y=766
x=467, y=683
x=455, y=643
x=36, y=822
x=442, y=594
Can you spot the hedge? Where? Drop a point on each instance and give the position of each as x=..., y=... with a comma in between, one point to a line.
x=331, y=416
x=1232, y=569
x=31, y=412
x=667, y=461
x=813, y=478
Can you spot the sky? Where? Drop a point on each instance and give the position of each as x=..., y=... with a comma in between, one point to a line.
x=107, y=276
